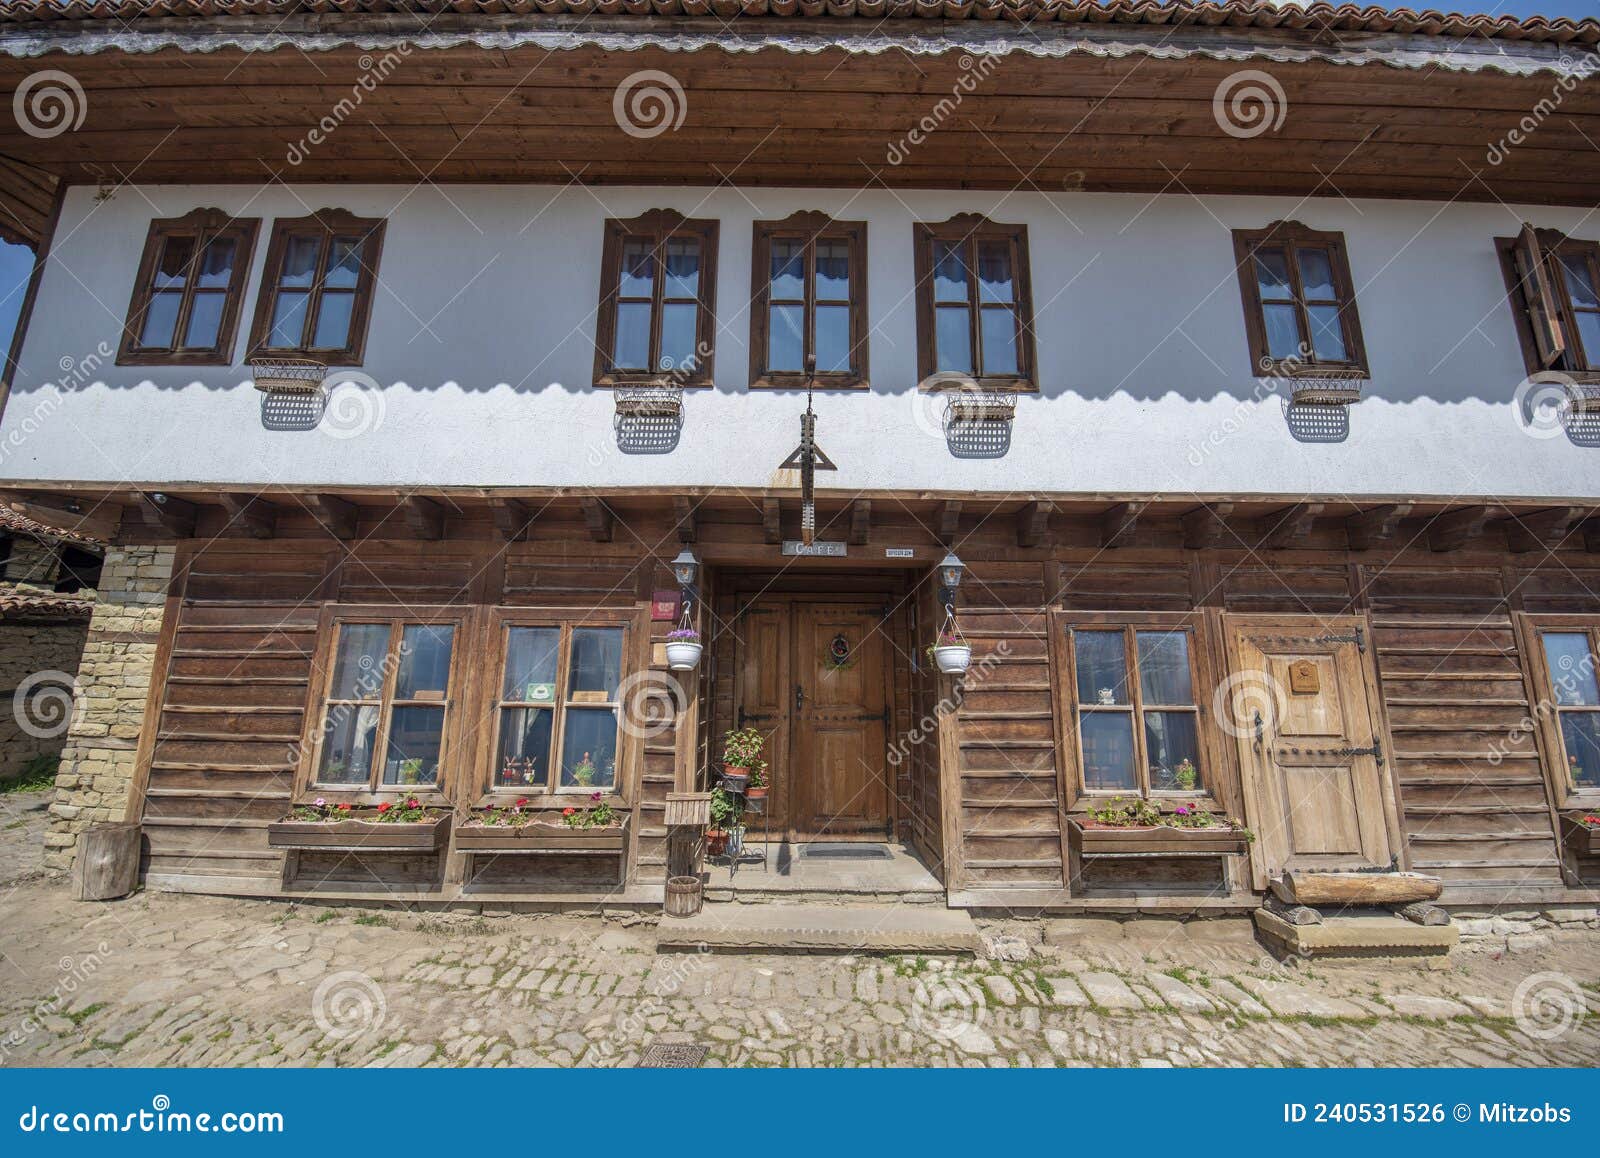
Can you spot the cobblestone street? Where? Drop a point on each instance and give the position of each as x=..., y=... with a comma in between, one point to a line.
x=166, y=979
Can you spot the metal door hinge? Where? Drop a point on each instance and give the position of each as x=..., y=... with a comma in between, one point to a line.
x=1354, y=637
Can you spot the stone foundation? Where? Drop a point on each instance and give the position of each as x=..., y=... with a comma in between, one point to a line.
x=40, y=659
x=1523, y=930
x=97, y=764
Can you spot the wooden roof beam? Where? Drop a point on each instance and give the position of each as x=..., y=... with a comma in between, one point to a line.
x=1541, y=530
x=950, y=522
x=1033, y=523
x=513, y=518
x=1118, y=524
x=1289, y=526
x=1205, y=526
x=1591, y=536
x=1452, y=530
x=860, y=522
x=337, y=516
x=599, y=518
x=684, y=510
x=424, y=516
x=168, y=514
x=251, y=514
x=1366, y=529
x=771, y=520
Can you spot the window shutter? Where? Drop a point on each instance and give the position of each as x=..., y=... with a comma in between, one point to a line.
x=1543, y=314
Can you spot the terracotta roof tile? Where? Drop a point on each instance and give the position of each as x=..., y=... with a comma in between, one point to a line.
x=1317, y=17
x=44, y=604
x=20, y=524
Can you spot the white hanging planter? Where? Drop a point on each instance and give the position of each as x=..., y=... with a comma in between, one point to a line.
x=682, y=656
x=953, y=660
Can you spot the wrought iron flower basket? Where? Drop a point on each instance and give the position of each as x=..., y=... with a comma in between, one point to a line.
x=1324, y=391
x=649, y=401
x=288, y=377
x=968, y=406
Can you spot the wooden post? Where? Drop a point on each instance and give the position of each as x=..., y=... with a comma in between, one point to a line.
x=107, y=865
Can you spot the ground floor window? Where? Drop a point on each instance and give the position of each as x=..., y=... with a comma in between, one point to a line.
x=1573, y=695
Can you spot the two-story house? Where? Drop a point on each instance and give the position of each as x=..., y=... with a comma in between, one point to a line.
x=1224, y=375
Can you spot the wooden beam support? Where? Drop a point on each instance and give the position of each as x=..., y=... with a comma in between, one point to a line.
x=1033, y=523
x=254, y=516
x=1541, y=530
x=860, y=522
x=168, y=514
x=1591, y=536
x=1289, y=526
x=1452, y=530
x=513, y=518
x=1366, y=529
x=424, y=516
x=684, y=510
x=599, y=518
x=337, y=516
x=1118, y=523
x=771, y=520
x=1205, y=526
x=950, y=522
x=99, y=522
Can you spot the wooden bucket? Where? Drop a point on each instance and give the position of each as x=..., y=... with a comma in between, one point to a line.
x=683, y=896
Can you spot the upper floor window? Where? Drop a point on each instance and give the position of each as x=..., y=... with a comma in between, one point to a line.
x=316, y=290
x=657, y=316
x=808, y=317
x=1554, y=284
x=1134, y=702
x=186, y=296
x=974, y=309
x=385, y=704
x=1299, y=302
x=1571, y=648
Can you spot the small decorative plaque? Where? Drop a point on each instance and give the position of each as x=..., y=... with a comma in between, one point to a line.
x=826, y=547
x=1304, y=679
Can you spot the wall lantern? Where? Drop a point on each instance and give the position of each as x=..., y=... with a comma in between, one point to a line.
x=685, y=567
x=950, y=572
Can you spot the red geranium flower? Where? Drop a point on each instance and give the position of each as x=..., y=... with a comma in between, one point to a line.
x=344, y=807
x=568, y=811
x=385, y=806
x=522, y=802
x=411, y=802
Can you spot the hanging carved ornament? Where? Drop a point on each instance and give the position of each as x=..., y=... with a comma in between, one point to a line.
x=839, y=654
x=808, y=458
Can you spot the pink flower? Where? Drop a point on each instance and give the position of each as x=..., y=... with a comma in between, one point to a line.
x=595, y=796
x=321, y=802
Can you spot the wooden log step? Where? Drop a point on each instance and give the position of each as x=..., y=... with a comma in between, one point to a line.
x=107, y=864
x=1341, y=889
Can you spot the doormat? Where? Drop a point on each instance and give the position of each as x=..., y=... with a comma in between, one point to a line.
x=672, y=1055
x=847, y=850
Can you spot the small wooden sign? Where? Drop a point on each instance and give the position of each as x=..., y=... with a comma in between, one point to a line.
x=1304, y=679
x=664, y=606
x=826, y=548
x=590, y=697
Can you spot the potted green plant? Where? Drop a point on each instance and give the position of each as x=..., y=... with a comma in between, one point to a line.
x=1581, y=833
x=741, y=757
x=758, y=783
x=403, y=825
x=724, y=815
x=950, y=654
x=583, y=772
x=683, y=649
x=522, y=827
x=411, y=770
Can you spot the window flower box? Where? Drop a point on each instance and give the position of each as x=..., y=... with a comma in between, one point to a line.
x=542, y=833
x=1580, y=831
x=1092, y=838
x=428, y=834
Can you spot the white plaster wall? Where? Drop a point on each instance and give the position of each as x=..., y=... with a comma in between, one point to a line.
x=482, y=341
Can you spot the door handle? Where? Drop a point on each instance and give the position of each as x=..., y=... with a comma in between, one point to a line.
x=799, y=697
x=1259, y=729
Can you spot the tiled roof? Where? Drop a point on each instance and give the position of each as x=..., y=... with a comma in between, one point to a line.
x=44, y=605
x=19, y=524
x=1319, y=17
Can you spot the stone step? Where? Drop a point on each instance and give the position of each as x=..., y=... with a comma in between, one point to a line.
x=1356, y=935
x=828, y=928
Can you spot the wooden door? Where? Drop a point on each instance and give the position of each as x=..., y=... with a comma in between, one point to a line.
x=839, y=758
x=764, y=694
x=1304, y=713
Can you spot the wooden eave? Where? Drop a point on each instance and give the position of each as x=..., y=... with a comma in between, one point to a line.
x=810, y=103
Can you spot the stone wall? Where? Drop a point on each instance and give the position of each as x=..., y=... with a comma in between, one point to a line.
x=97, y=763
x=43, y=659
x=32, y=563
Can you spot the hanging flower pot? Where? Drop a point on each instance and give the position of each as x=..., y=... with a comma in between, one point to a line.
x=683, y=649
x=952, y=659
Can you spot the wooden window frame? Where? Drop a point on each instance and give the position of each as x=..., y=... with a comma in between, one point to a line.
x=325, y=224
x=205, y=226
x=1213, y=764
x=1541, y=308
x=1291, y=236
x=566, y=622
x=1567, y=795
x=970, y=229
x=334, y=618
x=660, y=226
x=808, y=228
